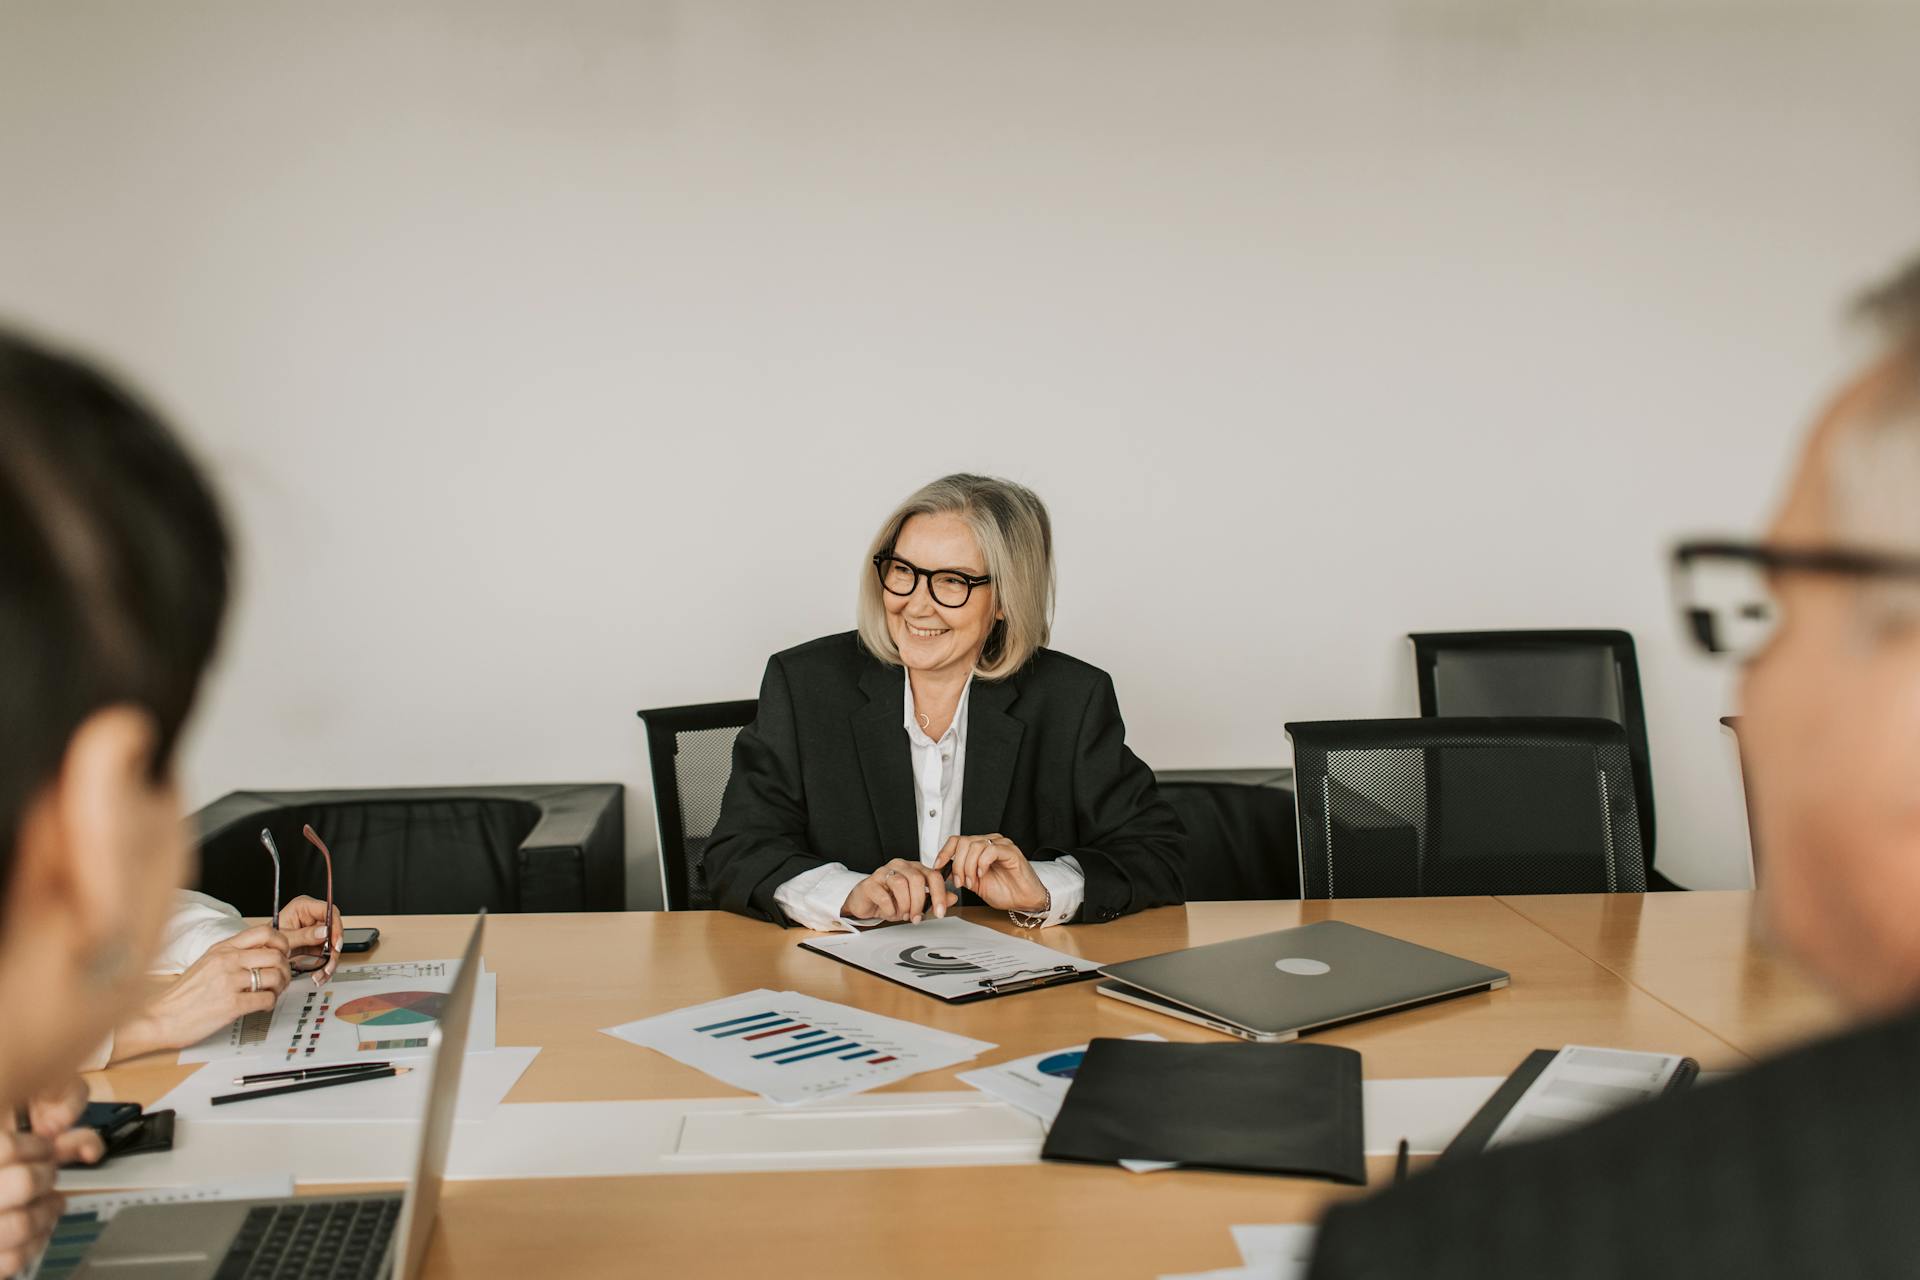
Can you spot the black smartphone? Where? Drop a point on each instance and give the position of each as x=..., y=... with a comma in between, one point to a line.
x=358, y=939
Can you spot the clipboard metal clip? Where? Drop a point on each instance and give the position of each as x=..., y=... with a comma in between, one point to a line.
x=1021, y=979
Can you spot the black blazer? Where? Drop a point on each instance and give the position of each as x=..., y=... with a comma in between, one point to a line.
x=1808, y=1165
x=824, y=774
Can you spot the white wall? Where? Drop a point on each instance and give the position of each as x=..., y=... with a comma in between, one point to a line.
x=558, y=358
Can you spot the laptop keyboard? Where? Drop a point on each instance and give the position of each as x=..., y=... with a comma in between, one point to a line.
x=312, y=1240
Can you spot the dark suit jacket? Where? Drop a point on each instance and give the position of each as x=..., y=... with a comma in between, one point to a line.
x=824, y=774
x=1805, y=1166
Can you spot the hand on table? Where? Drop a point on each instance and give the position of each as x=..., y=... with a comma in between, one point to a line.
x=993, y=867
x=244, y=974
x=29, y=1206
x=899, y=890
x=304, y=923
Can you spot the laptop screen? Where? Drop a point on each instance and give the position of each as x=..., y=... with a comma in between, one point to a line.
x=449, y=1054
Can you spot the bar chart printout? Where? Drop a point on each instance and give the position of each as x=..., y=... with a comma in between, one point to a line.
x=792, y=1048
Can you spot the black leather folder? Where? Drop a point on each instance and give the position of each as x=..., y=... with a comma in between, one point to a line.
x=1255, y=1108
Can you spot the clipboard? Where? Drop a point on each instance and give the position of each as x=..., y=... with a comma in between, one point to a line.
x=953, y=960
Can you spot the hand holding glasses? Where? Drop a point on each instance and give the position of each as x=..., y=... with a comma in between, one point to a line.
x=304, y=960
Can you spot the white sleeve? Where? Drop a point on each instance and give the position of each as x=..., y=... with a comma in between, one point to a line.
x=813, y=898
x=1067, y=883
x=197, y=923
x=100, y=1057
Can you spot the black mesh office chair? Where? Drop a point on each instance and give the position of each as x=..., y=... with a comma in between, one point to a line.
x=1241, y=844
x=1443, y=805
x=690, y=753
x=1542, y=673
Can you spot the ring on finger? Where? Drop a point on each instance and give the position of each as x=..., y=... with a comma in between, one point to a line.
x=253, y=977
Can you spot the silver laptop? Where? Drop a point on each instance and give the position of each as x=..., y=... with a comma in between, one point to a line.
x=375, y=1237
x=1278, y=985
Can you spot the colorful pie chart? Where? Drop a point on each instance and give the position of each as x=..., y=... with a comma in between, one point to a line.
x=1062, y=1065
x=394, y=1009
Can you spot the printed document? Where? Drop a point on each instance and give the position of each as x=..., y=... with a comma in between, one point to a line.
x=792, y=1048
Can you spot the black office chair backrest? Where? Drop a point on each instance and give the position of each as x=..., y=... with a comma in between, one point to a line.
x=1592, y=674
x=690, y=754
x=1443, y=805
x=1241, y=844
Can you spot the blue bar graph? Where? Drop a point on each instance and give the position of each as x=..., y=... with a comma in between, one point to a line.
x=792, y=1040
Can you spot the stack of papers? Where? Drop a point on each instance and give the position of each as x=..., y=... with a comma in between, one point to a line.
x=792, y=1048
x=365, y=1013
x=485, y=1080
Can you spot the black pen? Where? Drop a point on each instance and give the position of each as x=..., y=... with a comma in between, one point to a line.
x=1400, y=1165
x=307, y=1073
x=325, y=1083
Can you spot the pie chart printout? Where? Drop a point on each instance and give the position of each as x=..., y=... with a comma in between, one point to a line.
x=394, y=1009
x=1062, y=1065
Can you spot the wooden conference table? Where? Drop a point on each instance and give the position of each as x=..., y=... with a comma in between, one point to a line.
x=1679, y=972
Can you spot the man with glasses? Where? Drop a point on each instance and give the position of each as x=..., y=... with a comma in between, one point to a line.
x=1807, y=1165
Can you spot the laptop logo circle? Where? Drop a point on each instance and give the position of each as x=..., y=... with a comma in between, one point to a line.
x=1301, y=967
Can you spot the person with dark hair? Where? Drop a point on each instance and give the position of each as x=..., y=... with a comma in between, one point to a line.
x=1808, y=1164
x=113, y=581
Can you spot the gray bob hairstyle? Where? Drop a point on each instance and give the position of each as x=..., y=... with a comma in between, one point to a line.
x=1009, y=522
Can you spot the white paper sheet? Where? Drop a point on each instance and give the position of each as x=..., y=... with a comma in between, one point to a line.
x=376, y=1010
x=947, y=958
x=792, y=1048
x=1287, y=1244
x=543, y=1140
x=1038, y=1083
x=1426, y=1112
x=485, y=1079
x=87, y=1216
x=1281, y=1252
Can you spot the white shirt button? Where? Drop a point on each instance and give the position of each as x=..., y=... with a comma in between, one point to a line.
x=933, y=813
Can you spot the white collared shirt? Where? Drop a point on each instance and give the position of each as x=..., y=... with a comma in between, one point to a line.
x=197, y=924
x=813, y=898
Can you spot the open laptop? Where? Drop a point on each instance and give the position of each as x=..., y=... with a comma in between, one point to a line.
x=381, y=1236
x=1278, y=985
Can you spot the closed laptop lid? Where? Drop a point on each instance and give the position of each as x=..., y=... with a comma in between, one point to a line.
x=1310, y=976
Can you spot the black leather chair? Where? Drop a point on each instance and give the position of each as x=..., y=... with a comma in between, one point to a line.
x=424, y=850
x=1435, y=806
x=1541, y=673
x=1240, y=832
x=690, y=755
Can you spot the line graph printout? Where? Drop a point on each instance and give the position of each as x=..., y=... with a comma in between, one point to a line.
x=792, y=1048
x=950, y=958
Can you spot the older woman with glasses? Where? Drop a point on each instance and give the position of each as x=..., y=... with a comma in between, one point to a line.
x=941, y=747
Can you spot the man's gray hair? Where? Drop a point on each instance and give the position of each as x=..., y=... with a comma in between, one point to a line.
x=1874, y=466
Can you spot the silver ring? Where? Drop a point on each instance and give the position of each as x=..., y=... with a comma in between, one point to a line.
x=253, y=976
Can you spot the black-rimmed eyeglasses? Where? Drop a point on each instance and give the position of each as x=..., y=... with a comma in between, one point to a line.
x=1725, y=589
x=949, y=587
